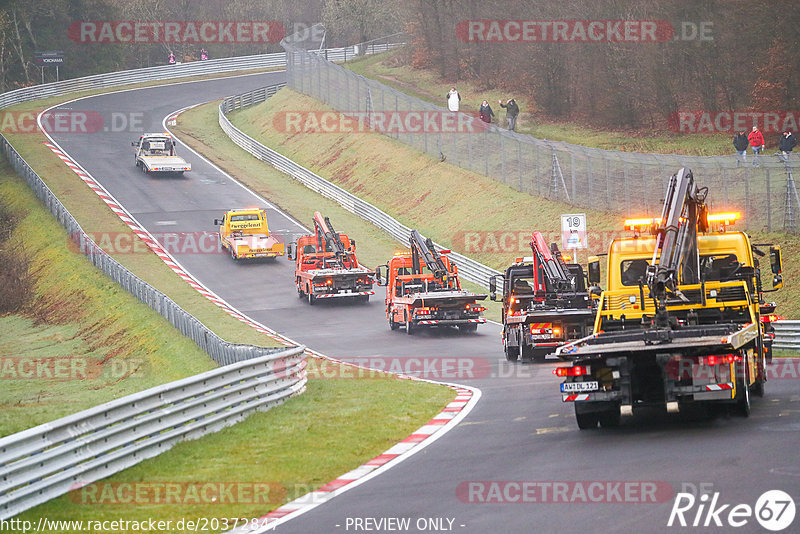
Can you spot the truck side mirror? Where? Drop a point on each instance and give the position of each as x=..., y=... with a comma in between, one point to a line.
x=381, y=278
x=353, y=244
x=776, y=265
x=134, y=143
x=218, y=221
x=593, y=268
x=290, y=248
x=493, y=288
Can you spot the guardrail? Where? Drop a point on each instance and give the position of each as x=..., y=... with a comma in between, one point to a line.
x=468, y=268
x=49, y=460
x=787, y=335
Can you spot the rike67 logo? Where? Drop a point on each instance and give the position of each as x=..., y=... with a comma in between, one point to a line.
x=774, y=510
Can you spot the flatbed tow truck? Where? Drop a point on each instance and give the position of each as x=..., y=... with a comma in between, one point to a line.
x=155, y=153
x=326, y=265
x=245, y=234
x=545, y=303
x=415, y=298
x=679, y=325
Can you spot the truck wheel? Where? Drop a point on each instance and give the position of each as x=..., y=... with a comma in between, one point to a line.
x=393, y=325
x=409, y=326
x=743, y=393
x=586, y=421
x=311, y=299
x=469, y=327
x=609, y=418
x=512, y=353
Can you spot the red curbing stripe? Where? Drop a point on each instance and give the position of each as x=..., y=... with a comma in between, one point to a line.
x=335, y=484
x=382, y=459
x=416, y=438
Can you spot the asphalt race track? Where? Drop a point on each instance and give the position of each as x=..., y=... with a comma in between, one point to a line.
x=520, y=431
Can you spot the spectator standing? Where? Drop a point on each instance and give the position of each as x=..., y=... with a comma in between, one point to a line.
x=512, y=110
x=453, y=99
x=203, y=54
x=787, y=142
x=740, y=143
x=171, y=58
x=756, y=141
x=486, y=112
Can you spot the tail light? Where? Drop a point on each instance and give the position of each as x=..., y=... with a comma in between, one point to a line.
x=575, y=370
x=478, y=309
x=719, y=359
x=771, y=318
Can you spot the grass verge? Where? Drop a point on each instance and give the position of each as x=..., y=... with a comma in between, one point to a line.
x=268, y=459
x=393, y=69
x=82, y=340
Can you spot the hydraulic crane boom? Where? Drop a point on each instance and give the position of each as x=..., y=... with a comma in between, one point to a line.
x=422, y=248
x=683, y=215
x=326, y=235
x=552, y=267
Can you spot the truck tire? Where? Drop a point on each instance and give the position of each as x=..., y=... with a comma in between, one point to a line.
x=512, y=353
x=743, y=396
x=409, y=326
x=393, y=325
x=311, y=299
x=609, y=418
x=469, y=327
x=586, y=421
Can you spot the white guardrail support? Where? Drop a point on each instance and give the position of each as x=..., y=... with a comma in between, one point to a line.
x=468, y=268
x=49, y=460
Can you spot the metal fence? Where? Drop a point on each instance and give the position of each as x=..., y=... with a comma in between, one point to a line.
x=468, y=268
x=49, y=460
x=787, y=335
x=610, y=180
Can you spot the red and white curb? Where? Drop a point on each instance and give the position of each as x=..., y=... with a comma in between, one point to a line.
x=448, y=418
x=467, y=397
x=154, y=245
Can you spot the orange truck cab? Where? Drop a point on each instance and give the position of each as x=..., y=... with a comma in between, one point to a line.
x=326, y=265
x=423, y=290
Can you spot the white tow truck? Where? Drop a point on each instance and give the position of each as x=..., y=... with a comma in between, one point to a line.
x=155, y=153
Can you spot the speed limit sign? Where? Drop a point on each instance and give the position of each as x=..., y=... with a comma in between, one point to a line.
x=573, y=231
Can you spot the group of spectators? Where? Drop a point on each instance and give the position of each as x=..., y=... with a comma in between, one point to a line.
x=755, y=139
x=485, y=112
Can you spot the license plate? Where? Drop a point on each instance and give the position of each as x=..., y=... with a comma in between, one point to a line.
x=540, y=337
x=573, y=387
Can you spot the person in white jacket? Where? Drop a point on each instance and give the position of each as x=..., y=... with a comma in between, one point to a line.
x=453, y=99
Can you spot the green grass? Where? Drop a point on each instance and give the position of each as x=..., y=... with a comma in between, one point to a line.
x=392, y=69
x=95, y=216
x=76, y=318
x=335, y=426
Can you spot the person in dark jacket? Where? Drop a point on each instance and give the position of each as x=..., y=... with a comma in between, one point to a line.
x=486, y=112
x=512, y=110
x=787, y=142
x=740, y=143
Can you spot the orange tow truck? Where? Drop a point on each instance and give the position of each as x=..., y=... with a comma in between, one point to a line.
x=245, y=234
x=326, y=265
x=427, y=299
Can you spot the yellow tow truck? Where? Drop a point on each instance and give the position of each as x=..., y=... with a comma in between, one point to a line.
x=245, y=234
x=682, y=322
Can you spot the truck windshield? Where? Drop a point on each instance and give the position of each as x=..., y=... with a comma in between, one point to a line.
x=719, y=267
x=245, y=217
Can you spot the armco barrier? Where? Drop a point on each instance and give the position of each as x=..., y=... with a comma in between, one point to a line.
x=787, y=335
x=49, y=460
x=468, y=268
